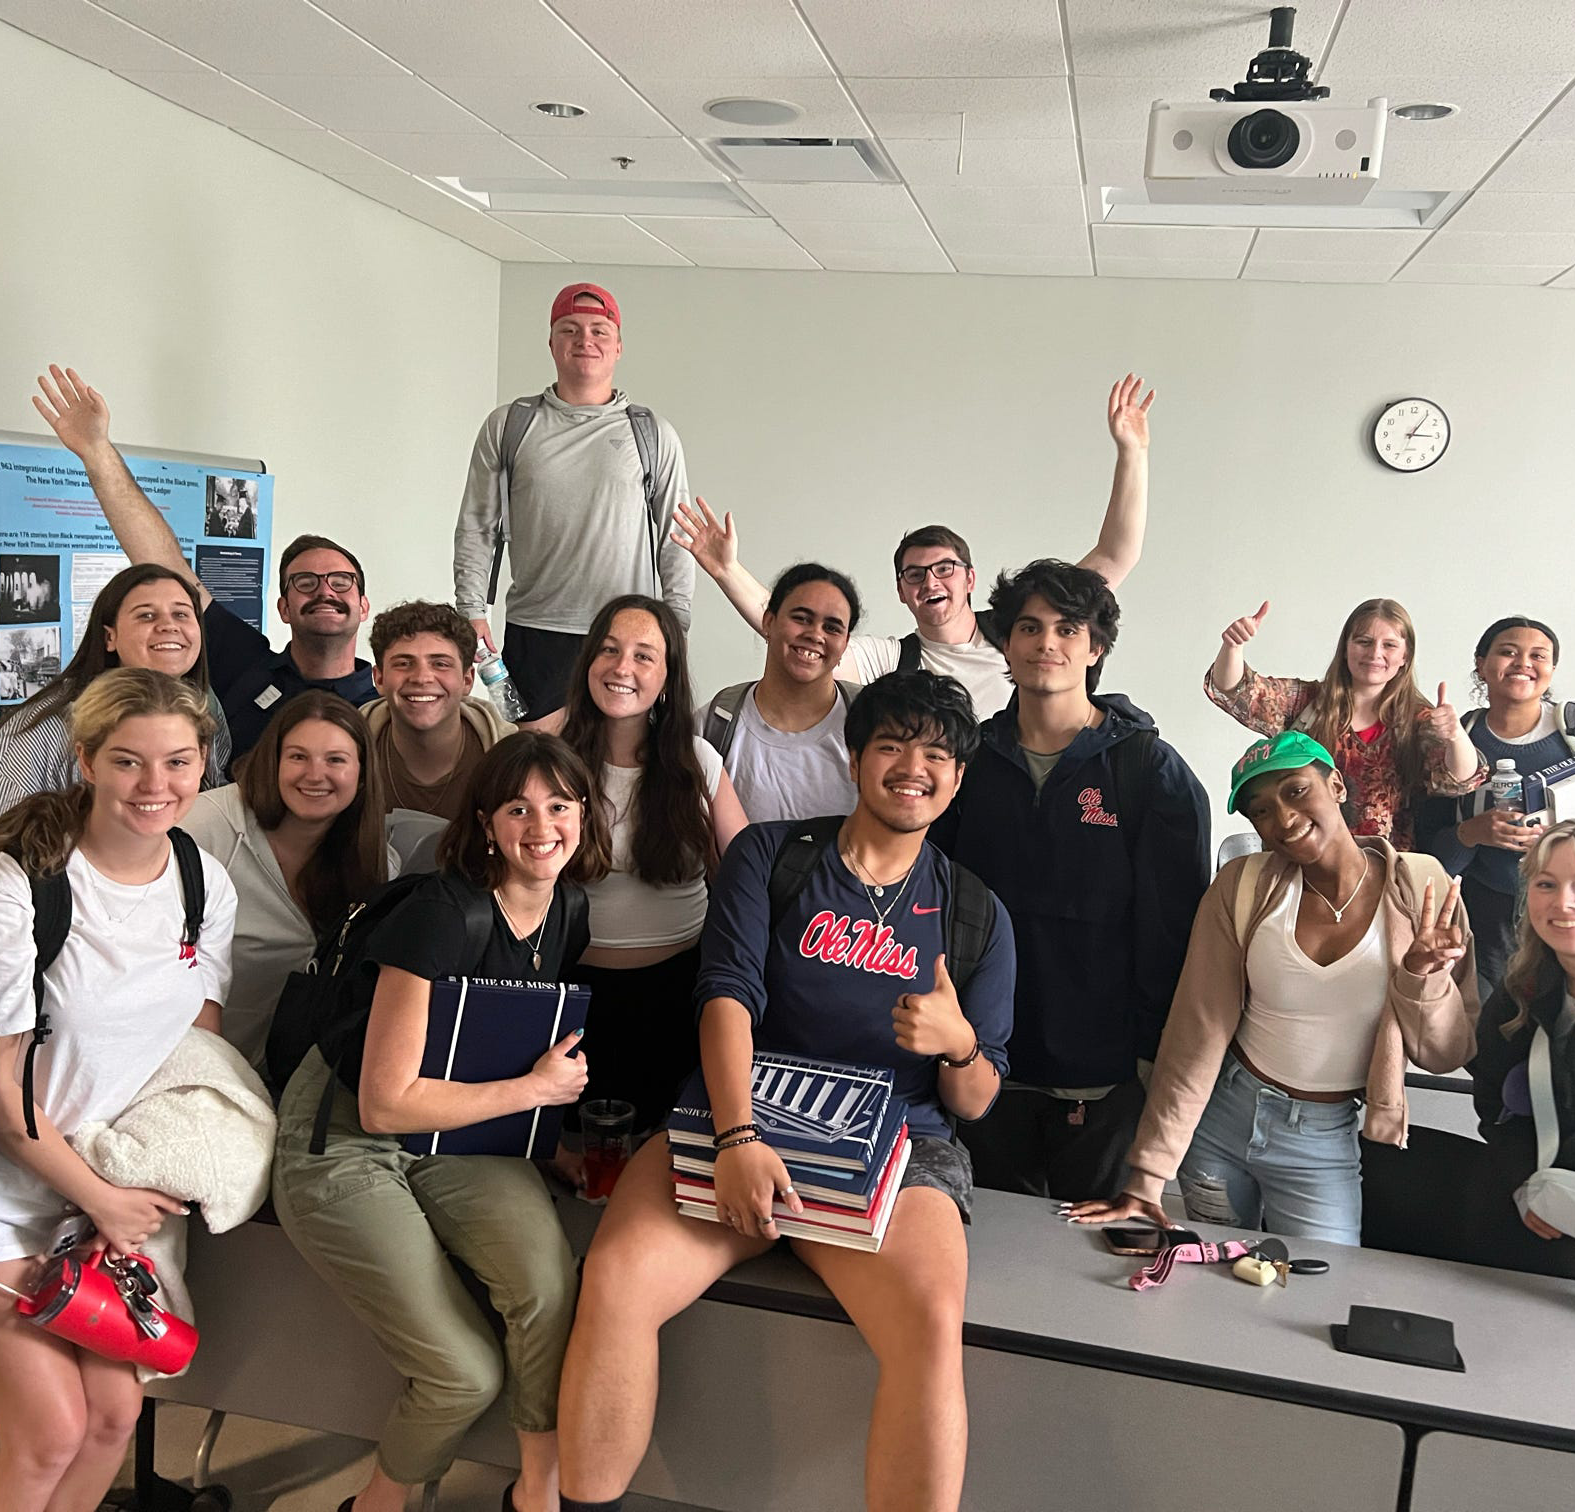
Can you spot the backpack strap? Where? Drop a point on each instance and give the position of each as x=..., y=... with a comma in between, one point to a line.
x=849, y=691
x=518, y=420
x=970, y=922
x=1469, y=720
x=1251, y=870
x=796, y=859
x=1131, y=776
x=643, y=423
x=985, y=619
x=720, y=716
x=1567, y=714
x=51, y=925
x=908, y=653
x=193, y=890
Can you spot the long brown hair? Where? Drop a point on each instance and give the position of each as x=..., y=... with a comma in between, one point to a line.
x=41, y=831
x=670, y=813
x=352, y=857
x=1329, y=715
x=93, y=656
x=1533, y=965
x=501, y=775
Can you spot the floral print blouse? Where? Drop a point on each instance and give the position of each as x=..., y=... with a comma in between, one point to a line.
x=1383, y=806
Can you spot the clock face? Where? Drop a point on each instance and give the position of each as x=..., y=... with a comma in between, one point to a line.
x=1411, y=434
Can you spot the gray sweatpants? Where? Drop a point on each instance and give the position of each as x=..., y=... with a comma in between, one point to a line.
x=379, y=1226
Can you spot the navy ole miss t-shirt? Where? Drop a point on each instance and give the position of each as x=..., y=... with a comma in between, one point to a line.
x=825, y=981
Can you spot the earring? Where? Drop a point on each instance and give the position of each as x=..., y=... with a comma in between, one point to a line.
x=491, y=848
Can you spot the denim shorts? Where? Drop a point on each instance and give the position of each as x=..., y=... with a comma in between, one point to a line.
x=943, y=1165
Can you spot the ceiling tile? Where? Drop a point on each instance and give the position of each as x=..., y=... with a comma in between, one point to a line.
x=1023, y=204
x=352, y=103
x=280, y=37
x=1489, y=108
x=1490, y=211
x=1163, y=267
x=470, y=37
x=869, y=202
x=220, y=99
x=1211, y=38
x=1565, y=280
x=1025, y=267
x=594, y=238
x=1559, y=123
x=983, y=39
x=1000, y=109
x=319, y=149
x=611, y=107
x=821, y=237
x=985, y=164
x=827, y=110
x=1436, y=36
x=1477, y=273
x=1437, y=163
x=1381, y=248
x=1537, y=166
x=665, y=39
x=1117, y=109
x=1108, y=165
x=1316, y=271
x=1480, y=248
x=665, y=159
x=971, y=238
x=434, y=208
x=1228, y=244
x=88, y=32
x=848, y=260
x=729, y=243
x=453, y=154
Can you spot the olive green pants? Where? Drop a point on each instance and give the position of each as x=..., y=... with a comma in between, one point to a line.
x=379, y=1226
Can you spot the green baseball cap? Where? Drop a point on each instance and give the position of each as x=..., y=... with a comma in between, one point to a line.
x=1278, y=753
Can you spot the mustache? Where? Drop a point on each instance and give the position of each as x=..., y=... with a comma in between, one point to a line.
x=326, y=603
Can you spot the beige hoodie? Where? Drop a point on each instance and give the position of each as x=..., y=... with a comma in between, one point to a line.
x=1429, y=1019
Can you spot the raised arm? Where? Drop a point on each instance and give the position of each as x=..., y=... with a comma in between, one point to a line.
x=713, y=544
x=78, y=415
x=1230, y=665
x=1120, y=542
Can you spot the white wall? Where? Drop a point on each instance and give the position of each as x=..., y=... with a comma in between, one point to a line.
x=832, y=412
x=227, y=300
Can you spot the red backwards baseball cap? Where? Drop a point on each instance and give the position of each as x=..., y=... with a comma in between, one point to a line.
x=564, y=304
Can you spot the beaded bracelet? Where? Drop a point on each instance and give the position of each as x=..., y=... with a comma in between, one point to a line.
x=747, y=1139
x=747, y=1128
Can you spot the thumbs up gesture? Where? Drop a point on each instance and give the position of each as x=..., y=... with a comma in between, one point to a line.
x=1440, y=723
x=933, y=1023
x=1239, y=631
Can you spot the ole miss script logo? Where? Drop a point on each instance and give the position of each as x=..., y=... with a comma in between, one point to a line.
x=839, y=941
x=1092, y=802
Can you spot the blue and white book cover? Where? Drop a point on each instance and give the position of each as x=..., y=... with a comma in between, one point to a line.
x=827, y=1113
x=482, y=1029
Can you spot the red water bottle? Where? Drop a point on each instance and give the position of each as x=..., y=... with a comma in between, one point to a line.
x=108, y=1309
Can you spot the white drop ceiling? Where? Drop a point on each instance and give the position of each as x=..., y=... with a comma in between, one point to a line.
x=999, y=122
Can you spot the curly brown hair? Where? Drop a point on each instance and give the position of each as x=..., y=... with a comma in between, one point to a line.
x=423, y=617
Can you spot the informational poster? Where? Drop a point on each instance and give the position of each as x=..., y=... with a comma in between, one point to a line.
x=56, y=551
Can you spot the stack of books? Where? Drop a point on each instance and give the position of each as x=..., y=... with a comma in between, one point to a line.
x=839, y=1131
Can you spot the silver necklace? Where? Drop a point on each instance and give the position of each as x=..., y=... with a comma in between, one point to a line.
x=98, y=895
x=874, y=889
x=520, y=934
x=1339, y=913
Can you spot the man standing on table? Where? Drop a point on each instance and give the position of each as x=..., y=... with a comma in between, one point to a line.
x=793, y=985
x=593, y=486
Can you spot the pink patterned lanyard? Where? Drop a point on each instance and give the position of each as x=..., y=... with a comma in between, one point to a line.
x=1158, y=1272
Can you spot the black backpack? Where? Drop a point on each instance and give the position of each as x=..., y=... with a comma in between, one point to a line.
x=327, y=1003
x=518, y=420
x=52, y=923
x=909, y=651
x=970, y=918
x=721, y=714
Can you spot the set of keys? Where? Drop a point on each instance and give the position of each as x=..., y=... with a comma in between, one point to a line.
x=1269, y=1263
x=136, y=1285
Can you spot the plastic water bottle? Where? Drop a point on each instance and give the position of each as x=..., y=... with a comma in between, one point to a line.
x=1506, y=786
x=506, y=697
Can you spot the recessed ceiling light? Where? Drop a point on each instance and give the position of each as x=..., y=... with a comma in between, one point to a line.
x=741, y=110
x=559, y=111
x=1430, y=111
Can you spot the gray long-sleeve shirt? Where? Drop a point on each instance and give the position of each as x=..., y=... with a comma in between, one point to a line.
x=579, y=532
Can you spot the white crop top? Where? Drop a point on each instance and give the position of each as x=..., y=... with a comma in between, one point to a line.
x=1311, y=1026
x=626, y=912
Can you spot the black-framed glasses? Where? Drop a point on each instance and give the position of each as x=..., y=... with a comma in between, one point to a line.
x=914, y=576
x=306, y=582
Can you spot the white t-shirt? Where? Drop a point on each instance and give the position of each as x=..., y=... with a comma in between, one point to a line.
x=782, y=775
x=975, y=663
x=627, y=912
x=119, y=997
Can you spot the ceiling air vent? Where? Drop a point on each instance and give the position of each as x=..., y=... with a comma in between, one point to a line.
x=804, y=160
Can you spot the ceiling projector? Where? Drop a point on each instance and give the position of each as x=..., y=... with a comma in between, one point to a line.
x=1274, y=139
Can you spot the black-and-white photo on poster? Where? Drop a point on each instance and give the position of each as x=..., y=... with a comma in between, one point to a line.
x=29, y=589
x=29, y=661
x=231, y=511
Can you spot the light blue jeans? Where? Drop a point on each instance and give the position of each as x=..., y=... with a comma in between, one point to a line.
x=1263, y=1159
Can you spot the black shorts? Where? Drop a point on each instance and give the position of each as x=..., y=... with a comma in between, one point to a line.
x=540, y=662
x=943, y=1165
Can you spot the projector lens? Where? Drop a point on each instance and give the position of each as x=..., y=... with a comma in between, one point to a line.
x=1264, y=139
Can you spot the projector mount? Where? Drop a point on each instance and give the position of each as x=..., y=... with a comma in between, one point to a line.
x=1278, y=72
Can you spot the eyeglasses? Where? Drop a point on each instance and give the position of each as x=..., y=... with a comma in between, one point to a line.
x=914, y=576
x=306, y=582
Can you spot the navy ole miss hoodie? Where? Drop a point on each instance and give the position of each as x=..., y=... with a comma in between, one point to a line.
x=1101, y=901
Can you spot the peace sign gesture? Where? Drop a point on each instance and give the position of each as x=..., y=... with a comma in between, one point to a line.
x=1128, y=419
x=1440, y=723
x=1440, y=938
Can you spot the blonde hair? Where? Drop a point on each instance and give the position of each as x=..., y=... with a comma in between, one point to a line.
x=1529, y=966
x=1330, y=714
x=41, y=831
